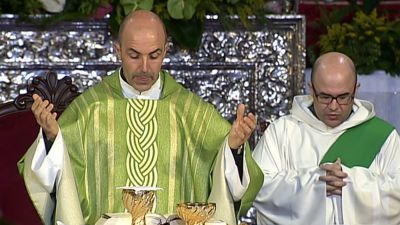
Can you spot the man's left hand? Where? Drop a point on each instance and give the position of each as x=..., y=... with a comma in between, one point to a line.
x=242, y=128
x=333, y=178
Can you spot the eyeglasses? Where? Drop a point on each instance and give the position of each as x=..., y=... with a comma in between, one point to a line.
x=342, y=99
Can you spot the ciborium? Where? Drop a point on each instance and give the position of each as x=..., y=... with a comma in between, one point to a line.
x=195, y=213
x=138, y=201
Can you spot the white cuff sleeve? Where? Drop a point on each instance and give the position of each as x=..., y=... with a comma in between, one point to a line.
x=236, y=186
x=48, y=167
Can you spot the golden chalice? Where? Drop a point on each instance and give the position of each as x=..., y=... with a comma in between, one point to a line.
x=138, y=202
x=196, y=213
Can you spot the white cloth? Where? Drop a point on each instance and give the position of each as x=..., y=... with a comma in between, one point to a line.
x=289, y=153
x=151, y=219
x=47, y=168
x=126, y=219
x=236, y=186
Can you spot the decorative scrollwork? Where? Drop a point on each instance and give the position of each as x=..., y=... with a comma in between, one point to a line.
x=59, y=92
x=262, y=67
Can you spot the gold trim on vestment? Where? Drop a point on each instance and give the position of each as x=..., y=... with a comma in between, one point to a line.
x=110, y=149
x=173, y=147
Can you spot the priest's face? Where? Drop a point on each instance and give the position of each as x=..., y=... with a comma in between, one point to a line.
x=142, y=48
x=333, y=93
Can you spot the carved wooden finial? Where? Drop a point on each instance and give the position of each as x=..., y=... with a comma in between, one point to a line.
x=59, y=92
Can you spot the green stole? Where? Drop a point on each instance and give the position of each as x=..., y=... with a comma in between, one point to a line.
x=359, y=145
x=256, y=182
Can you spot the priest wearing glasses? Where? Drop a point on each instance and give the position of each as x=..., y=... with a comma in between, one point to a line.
x=332, y=160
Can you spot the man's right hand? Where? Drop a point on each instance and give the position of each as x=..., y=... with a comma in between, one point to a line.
x=45, y=117
x=242, y=128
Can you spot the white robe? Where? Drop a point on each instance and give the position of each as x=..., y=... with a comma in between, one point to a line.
x=289, y=154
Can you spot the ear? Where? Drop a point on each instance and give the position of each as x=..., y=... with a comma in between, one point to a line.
x=117, y=48
x=356, y=89
x=357, y=86
x=310, y=89
x=165, y=49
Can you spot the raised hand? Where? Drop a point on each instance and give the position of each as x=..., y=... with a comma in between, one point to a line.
x=242, y=128
x=42, y=110
x=333, y=178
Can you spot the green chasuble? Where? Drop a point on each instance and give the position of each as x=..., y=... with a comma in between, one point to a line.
x=112, y=141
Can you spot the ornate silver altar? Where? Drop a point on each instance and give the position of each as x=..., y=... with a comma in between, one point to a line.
x=262, y=68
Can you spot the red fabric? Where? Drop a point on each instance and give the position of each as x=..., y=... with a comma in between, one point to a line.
x=17, y=133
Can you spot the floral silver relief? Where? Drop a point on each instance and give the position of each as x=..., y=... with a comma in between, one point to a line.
x=262, y=68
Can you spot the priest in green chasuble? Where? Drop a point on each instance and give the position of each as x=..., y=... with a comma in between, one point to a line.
x=138, y=127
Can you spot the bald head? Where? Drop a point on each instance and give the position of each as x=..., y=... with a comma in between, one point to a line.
x=142, y=21
x=142, y=48
x=333, y=62
x=333, y=87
